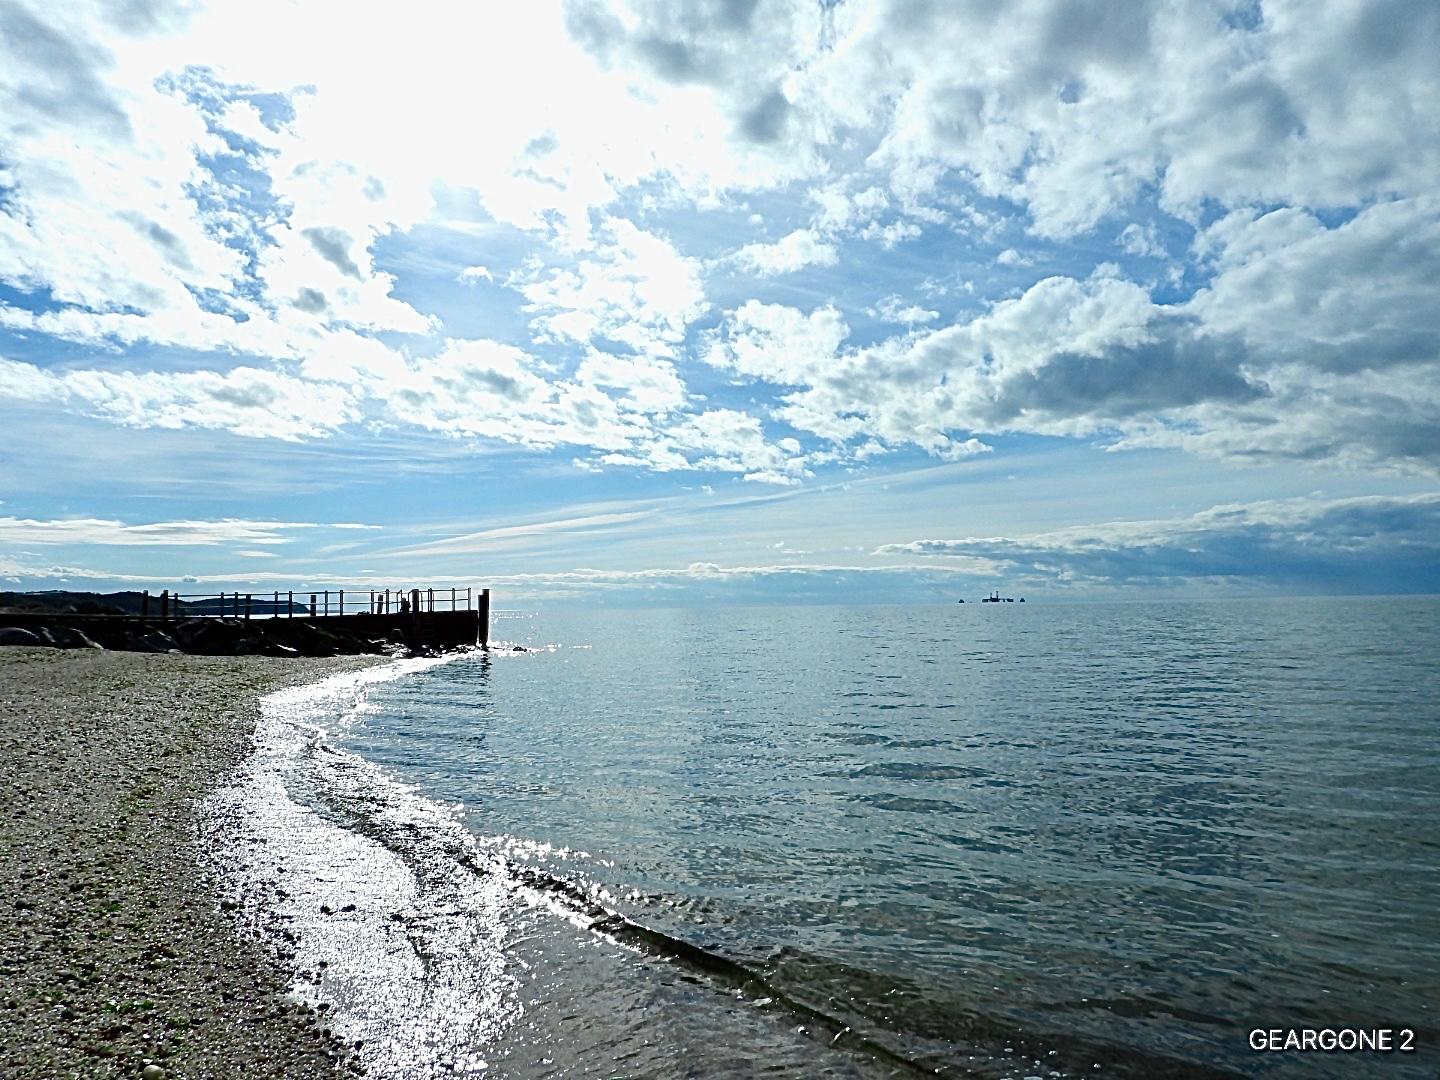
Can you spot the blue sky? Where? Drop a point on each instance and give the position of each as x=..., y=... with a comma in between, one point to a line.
x=625, y=302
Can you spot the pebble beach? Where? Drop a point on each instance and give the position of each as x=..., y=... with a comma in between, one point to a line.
x=115, y=956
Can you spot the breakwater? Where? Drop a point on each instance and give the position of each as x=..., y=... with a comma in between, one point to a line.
x=397, y=622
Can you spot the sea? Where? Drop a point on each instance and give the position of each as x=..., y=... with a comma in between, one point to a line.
x=1108, y=839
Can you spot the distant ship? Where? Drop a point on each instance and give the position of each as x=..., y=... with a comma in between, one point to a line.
x=996, y=598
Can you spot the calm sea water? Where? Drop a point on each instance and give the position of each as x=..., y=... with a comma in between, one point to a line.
x=994, y=840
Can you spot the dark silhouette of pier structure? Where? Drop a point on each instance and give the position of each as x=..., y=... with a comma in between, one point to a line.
x=307, y=621
x=421, y=617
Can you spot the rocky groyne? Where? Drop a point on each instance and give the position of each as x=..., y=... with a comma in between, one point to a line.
x=210, y=636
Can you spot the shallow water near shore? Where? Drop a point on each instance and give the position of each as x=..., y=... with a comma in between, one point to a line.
x=1101, y=839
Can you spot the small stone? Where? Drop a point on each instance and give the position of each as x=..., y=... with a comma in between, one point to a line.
x=152, y=1072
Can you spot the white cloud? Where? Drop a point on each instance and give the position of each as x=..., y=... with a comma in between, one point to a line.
x=1347, y=545
x=792, y=252
x=1021, y=365
x=107, y=532
x=840, y=209
x=719, y=440
x=895, y=309
x=172, y=189
x=244, y=400
x=710, y=571
x=895, y=232
x=629, y=286
x=777, y=343
x=1072, y=109
x=1141, y=240
x=646, y=384
x=524, y=535
x=1310, y=342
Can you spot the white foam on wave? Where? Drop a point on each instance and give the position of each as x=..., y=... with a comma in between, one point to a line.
x=378, y=898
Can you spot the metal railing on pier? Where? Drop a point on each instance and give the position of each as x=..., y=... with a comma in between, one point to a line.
x=290, y=603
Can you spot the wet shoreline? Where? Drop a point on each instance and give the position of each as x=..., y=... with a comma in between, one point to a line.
x=360, y=888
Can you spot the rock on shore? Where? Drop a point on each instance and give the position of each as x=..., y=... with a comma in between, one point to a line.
x=115, y=959
x=199, y=635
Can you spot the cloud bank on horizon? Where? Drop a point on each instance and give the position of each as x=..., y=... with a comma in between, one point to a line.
x=658, y=245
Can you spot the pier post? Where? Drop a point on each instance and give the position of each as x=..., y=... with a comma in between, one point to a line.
x=341, y=605
x=145, y=603
x=484, y=618
x=415, y=601
x=290, y=603
x=164, y=603
x=312, y=605
x=248, y=602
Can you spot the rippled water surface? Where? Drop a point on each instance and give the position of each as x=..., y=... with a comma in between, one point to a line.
x=995, y=840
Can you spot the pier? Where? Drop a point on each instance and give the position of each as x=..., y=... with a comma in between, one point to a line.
x=289, y=622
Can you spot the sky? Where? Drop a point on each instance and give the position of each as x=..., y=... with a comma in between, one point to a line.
x=686, y=301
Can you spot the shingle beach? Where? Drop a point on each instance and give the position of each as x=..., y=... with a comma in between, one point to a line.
x=115, y=958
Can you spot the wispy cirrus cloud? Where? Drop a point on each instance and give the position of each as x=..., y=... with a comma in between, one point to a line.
x=490, y=540
x=110, y=533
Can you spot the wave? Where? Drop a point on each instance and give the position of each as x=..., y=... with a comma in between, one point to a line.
x=363, y=889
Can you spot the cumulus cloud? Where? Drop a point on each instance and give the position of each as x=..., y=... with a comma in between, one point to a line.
x=1312, y=342
x=792, y=252
x=719, y=440
x=1067, y=357
x=1340, y=324
x=646, y=384
x=895, y=309
x=1371, y=544
x=247, y=401
x=776, y=343
x=1141, y=240
x=1071, y=109
x=222, y=216
x=629, y=286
